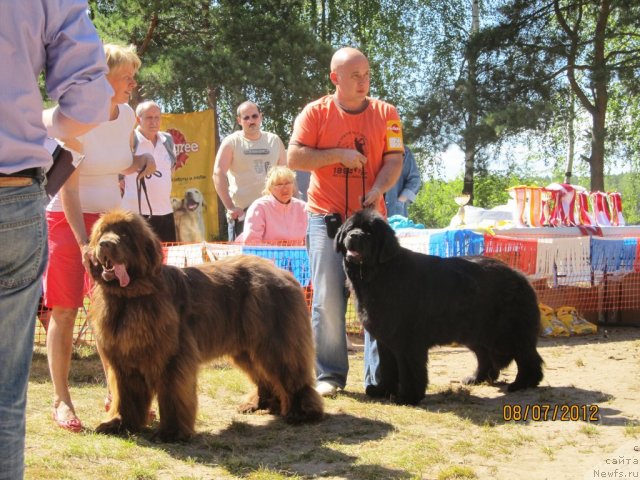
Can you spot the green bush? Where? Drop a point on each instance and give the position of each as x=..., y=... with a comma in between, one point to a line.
x=434, y=205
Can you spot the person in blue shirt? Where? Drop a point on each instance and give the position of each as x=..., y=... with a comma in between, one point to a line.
x=404, y=192
x=55, y=36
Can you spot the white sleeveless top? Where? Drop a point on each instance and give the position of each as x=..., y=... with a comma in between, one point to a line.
x=107, y=151
x=158, y=188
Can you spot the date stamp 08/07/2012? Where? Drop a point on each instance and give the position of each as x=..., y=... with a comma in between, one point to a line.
x=550, y=412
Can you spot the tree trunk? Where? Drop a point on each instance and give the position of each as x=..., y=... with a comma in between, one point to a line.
x=470, y=142
x=596, y=160
x=571, y=138
x=601, y=99
x=599, y=86
x=469, y=167
x=324, y=21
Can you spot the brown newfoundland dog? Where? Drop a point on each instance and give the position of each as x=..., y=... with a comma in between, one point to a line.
x=410, y=302
x=155, y=324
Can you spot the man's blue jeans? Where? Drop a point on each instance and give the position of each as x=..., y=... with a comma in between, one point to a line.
x=371, y=361
x=23, y=256
x=234, y=229
x=329, y=305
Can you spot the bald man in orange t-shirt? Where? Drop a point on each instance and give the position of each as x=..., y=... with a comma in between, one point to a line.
x=352, y=144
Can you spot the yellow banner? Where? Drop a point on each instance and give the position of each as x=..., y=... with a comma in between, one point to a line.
x=192, y=183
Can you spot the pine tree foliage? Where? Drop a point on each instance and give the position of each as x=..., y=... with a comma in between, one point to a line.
x=589, y=46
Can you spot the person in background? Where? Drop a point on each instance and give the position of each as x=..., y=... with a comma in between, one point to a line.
x=91, y=189
x=302, y=179
x=403, y=193
x=242, y=163
x=149, y=139
x=57, y=37
x=352, y=144
x=277, y=215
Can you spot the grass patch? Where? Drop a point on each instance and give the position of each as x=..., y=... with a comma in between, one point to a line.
x=457, y=432
x=589, y=430
x=456, y=472
x=632, y=429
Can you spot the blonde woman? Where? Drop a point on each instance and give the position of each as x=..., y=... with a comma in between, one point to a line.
x=91, y=190
x=277, y=215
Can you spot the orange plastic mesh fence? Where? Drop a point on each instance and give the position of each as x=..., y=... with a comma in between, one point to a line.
x=599, y=276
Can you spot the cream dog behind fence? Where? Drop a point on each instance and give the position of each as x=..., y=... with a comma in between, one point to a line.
x=188, y=214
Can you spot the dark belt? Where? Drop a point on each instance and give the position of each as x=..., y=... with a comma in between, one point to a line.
x=22, y=178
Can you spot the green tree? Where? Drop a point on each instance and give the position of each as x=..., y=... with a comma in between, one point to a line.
x=201, y=54
x=434, y=206
x=386, y=31
x=585, y=44
x=462, y=106
x=217, y=54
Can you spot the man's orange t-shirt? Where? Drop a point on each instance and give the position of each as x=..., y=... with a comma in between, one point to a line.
x=373, y=132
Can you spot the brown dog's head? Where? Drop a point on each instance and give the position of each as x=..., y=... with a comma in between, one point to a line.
x=126, y=250
x=367, y=239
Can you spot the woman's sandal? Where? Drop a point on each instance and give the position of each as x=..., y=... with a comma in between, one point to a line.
x=74, y=425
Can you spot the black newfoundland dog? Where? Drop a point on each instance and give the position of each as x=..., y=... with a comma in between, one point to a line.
x=410, y=302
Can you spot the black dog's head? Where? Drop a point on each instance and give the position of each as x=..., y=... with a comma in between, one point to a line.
x=125, y=248
x=367, y=239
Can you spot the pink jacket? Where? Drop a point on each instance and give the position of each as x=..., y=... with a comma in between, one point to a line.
x=268, y=220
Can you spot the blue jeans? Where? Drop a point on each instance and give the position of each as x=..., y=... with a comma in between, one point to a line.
x=234, y=229
x=329, y=306
x=23, y=256
x=371, y=361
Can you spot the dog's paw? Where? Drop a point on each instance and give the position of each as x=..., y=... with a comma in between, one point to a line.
x=376, y=391
x=408, y=399
x=307, y=406
x=254, y=402
x=170, y=435
x=112, y=427
x=471, y=380
x=248, y=407
x=520, y=385
x=297, y=417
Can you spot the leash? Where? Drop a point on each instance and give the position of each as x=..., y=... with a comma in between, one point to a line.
x=141, y=186
x=359, y=147
x=346, y=192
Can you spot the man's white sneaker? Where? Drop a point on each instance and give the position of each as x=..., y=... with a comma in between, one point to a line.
x=326, y=389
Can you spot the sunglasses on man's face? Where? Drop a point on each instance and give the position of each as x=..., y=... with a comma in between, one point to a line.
x=255, y=116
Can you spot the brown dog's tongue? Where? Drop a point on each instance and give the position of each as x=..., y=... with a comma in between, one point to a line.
x=121, y=272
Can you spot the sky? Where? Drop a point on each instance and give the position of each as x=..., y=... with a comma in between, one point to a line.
x=452, y=162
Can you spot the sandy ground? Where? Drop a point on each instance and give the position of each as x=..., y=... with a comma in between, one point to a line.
x=583, y=422
x=585, y=418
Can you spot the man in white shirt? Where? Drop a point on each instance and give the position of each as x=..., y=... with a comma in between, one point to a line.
x=155, y=203
x=242, y=163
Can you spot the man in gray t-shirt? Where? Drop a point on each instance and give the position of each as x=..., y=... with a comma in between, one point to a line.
x=242, y=163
